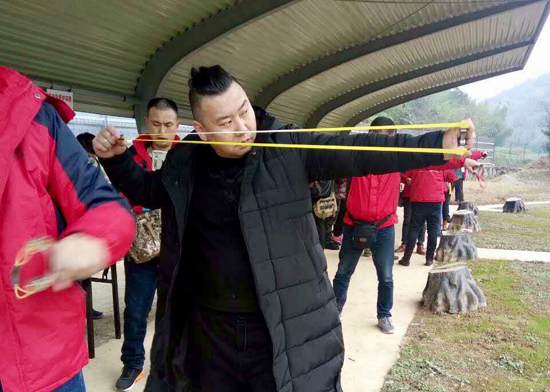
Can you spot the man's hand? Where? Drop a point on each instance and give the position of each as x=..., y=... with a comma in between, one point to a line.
x=77, y=257
x=451, y=138
x=109, y=143
x=471, y=165
x=408, y=181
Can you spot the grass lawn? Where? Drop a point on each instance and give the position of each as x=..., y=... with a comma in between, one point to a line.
x=529, y=184
x=529, y=231
x=502, y=348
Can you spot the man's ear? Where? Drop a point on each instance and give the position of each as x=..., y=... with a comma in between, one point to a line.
x=145, y=119
x=200, y=130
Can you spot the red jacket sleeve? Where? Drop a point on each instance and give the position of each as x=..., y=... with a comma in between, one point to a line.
x=452, y=164
x=87, y=201
x=450, y=176
x=476, y=155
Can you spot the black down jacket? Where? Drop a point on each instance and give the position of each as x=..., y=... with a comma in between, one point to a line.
x=288, y=263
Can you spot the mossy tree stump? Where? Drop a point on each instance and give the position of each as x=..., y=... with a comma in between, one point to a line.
x=514, y=204
x=463, y=220
x=469, y=205
x=455, y=247
x=452, y=289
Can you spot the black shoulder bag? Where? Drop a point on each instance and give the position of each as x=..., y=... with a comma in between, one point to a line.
x=364, y=232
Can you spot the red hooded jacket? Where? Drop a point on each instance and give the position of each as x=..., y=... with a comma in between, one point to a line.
x=48, y=187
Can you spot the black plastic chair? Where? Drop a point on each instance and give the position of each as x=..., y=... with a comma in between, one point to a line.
x=87, y=286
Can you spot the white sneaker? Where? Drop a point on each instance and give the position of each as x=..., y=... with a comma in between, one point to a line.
x=385, y=325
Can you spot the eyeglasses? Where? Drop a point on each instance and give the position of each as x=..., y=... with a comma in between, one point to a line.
x=31, y=248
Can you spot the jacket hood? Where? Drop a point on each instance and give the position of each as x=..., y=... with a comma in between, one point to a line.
x=14, y=85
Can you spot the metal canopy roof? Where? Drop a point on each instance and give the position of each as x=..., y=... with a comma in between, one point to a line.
x=314, y=62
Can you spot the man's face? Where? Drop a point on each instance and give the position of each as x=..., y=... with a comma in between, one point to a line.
x=163, y=124
x=230, y=111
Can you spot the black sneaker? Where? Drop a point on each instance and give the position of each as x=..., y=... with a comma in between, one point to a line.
x=332, y=245
x=96, y=314
x=429, y=262
x=128, y=378
x=404, y=263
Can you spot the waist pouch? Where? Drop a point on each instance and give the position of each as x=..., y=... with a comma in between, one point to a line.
x=365, y=232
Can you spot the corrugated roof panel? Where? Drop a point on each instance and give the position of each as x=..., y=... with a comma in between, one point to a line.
x=259, y=52
x=101, y=44
x=507, y=60
x=489, y=33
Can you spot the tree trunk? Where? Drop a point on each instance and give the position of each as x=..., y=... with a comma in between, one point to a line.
x=456, y=247
x=469, y=205
x=452, y=289
x=514, y=204
x=463, y=220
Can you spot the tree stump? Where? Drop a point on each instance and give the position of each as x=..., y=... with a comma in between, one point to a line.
x=463, y=220
x=469, y=205
x=452, y=289
x=454, y=247
x=514, y=204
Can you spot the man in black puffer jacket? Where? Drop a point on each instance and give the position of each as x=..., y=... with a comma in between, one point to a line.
x=251, y=307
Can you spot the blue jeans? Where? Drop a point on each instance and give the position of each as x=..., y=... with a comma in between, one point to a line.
x=138, y=298
x=382, y=255
x=75, y=384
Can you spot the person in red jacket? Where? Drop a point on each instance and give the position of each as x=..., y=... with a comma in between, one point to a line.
x=372, y=200
x=142, y=279
x=462, y=174
x=407, y=214
x=49, y=188
x=449, y=178
x=427, y=197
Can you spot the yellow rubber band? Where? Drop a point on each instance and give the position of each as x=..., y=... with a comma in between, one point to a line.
x=462, y=125
x=449, y=151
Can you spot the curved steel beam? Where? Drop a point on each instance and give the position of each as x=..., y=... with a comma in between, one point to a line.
x=287, y=81
x=367, y=89
x=204, y=33
x=419, y=94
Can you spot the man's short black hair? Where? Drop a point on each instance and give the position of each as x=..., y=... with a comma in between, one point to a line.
x=208, y=82
x=162, y=104
x=85, y=139
x=381, y=121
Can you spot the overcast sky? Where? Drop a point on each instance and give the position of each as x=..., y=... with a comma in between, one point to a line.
x=537, y=65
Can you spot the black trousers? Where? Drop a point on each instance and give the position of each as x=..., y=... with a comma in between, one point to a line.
x=446, y=214
x=407, y=216
x=324, y=230
x=459, y=190
x=230, y=352
x=156, y=381
x=429, y=213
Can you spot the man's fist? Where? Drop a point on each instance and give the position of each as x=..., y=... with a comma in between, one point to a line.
x=77, y=257
x=471, y=165
x=109, y=143
x=451, y=138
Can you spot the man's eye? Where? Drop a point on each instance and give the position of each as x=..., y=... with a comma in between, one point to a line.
x=244, y=113
x=226, y=123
